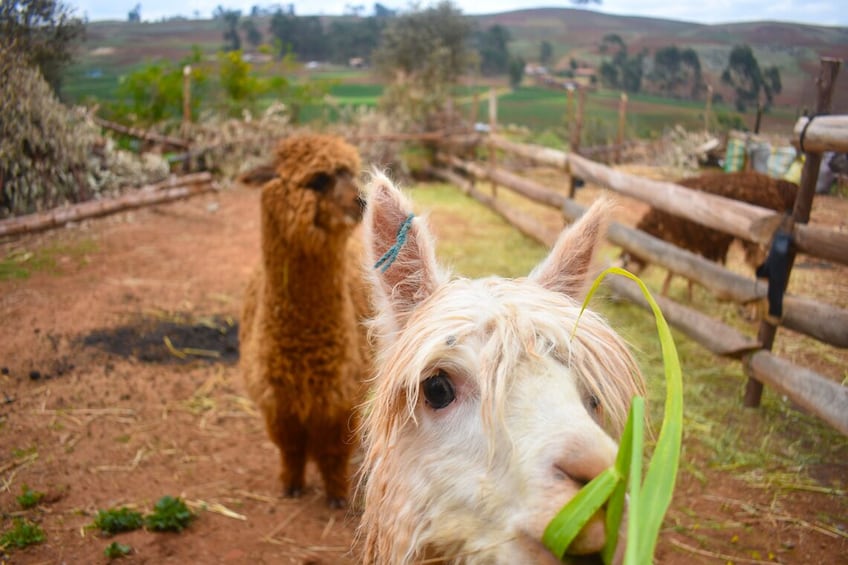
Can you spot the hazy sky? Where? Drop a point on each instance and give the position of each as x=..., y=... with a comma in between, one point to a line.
x=821, y=12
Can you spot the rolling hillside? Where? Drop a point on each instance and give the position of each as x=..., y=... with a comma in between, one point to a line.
x=796, y=49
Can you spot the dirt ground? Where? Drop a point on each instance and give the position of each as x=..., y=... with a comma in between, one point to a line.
x=96, y=430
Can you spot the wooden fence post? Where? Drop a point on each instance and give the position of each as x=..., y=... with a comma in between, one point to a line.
x=708, y=108
x=186, y=100
x=575, y=135
x=622, y=121
x=800, y=215
x=493, y=124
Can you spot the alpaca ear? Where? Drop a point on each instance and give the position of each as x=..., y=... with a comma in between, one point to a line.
x=399, y=251
x=567, y=266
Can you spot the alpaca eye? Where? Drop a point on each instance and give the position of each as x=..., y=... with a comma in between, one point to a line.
x=438, y=391
x=320, y=182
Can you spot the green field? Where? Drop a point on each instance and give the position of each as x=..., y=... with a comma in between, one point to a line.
x=541, y=110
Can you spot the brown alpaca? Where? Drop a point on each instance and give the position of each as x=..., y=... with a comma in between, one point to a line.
x=751, y=187
x=303, y=354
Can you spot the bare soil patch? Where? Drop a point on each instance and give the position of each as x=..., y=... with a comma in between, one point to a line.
x=118, y=418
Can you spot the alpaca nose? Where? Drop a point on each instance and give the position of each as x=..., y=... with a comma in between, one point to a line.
x=581, y=466
x=585, y=464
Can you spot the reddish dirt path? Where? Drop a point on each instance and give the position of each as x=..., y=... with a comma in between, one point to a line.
x=109, y=431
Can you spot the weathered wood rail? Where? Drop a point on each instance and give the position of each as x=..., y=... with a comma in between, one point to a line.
x=170, y=189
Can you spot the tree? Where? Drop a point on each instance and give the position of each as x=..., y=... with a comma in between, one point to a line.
x=516, y=71
x=349, y=38
x=134, y=15
x=229, y=19
x=154, y=92
x=423, y=53
x=381, y=11
x=252, y=33
x=546, y=53
x=43, y=33
x=493, y=49
x=241, y=89
x=355, y=10
x=690, y=58
x=675, y=68
x=303, y=36
x=749, y=82
x=622, y=71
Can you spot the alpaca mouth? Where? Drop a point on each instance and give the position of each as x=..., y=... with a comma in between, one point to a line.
x=534, y=551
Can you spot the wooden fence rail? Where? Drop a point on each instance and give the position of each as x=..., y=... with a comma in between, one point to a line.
x=740, y=219
x=822, y=133
x=165, y=191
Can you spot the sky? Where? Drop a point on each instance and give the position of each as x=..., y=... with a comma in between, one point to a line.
x=819, y=12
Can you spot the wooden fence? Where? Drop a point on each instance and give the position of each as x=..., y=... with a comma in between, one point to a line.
x=824, y=322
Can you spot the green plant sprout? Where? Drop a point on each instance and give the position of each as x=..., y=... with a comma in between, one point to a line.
x=23, y=533
x=649, y=499
x=169, y=515
x=29, y=498
x=117, y=520
x=115, y=550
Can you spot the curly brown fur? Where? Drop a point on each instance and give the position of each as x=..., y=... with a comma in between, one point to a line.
x=751, y=187
x=304, y=355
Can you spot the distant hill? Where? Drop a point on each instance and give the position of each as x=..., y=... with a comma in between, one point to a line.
x=795, y=48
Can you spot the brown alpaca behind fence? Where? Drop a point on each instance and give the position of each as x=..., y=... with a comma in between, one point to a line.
x=751, y=187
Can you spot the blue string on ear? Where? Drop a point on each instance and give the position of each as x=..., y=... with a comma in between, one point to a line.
x=389, y=256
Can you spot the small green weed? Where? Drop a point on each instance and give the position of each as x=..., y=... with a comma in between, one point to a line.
x=20, y=264
x=115, y=550
x=169, y=515
x=29, y=498
x=116, y=520
x=20, y=453
x=22, y=534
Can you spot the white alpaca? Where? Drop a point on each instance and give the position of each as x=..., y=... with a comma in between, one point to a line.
x=487, y=416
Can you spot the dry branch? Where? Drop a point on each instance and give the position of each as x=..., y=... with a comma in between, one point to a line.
x=142, y=134
x=823, y=133
x=138, y=198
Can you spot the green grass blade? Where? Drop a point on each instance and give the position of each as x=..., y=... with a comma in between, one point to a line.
x=649, y=502
x=635, y=541
x=661, y=475
x=629, y=455
x=565, y=526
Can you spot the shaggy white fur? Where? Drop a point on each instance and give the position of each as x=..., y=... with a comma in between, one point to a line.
x=487, y=415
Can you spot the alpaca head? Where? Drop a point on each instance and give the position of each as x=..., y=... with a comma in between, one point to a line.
x=314, y=197
x=487, y=416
